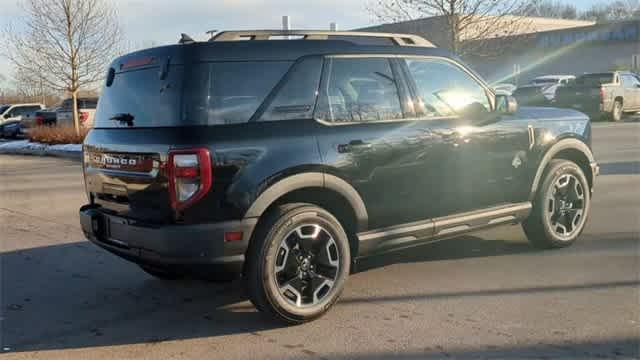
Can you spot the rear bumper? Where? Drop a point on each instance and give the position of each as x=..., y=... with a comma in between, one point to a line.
x=177, y=246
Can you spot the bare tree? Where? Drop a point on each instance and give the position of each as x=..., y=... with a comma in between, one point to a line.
x=615, y=11
x=469, y=21
x=3, y=90
x=30, y=84
x=550, y=9
x=68, y=42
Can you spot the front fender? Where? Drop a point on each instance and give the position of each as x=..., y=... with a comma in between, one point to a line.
x=553, y=151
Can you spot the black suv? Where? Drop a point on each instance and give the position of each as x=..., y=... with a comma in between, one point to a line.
x=286, y=157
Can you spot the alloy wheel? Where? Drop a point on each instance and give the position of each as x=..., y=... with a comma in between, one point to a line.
x=307, y=265
x=565, y=206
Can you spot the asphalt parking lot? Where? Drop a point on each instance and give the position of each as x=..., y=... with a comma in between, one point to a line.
x=489, y=295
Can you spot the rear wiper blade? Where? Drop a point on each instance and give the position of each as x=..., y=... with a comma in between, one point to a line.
x=126, y=118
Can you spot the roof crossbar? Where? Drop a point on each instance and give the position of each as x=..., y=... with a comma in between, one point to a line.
x=398, y=39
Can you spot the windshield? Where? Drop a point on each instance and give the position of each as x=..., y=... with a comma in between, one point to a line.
x=4, y=108
x=594, y=80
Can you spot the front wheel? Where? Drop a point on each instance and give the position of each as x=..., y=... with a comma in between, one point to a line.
x=561, y=207
x=298, y=263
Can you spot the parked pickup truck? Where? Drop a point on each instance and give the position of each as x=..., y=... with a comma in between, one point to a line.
x=609, y=94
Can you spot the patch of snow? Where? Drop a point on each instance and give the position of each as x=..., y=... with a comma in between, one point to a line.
x=25, y=145
x=67, y=147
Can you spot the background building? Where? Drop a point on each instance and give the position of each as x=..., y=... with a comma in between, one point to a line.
x=541, y=46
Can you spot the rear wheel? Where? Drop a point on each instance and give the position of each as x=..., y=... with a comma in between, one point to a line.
x=298, y=263
x=561, y=207
x=617, y=112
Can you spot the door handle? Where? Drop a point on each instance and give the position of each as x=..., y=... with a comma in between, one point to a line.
x=353, y=145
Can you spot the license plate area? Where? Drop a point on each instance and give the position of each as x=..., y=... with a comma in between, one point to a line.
x=118, y=231
x=109, y=230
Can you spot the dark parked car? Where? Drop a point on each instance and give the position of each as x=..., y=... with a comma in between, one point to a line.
x=532, y=95
x=86, y=111
x=608, y=95
x=46, y=116
x=288, y=161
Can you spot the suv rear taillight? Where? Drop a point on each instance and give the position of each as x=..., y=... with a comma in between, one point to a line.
x=190, y=176
x=84, y=116
x=39, y=120
x=601, y=95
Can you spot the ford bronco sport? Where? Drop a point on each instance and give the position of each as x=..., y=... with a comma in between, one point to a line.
x=287, y=160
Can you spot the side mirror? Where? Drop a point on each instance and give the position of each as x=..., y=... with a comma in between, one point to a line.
x=506, y=104
x=6, y=116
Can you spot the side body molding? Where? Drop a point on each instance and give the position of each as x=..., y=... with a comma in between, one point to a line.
x=311, y=180
x=561, y=145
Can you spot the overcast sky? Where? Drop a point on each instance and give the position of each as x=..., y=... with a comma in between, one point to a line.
x=161, y=21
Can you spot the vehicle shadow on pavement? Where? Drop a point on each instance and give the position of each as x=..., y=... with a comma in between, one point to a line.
x=77, y=296
x=624, y=348
x=448, y=249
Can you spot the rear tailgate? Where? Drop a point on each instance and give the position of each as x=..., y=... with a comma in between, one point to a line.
x=124, y=172
x=124, y=161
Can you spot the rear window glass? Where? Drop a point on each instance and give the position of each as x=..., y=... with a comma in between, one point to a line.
x=594, y=79
x=214, y=93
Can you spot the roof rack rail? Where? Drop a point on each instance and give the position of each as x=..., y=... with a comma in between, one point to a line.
x=398, y=39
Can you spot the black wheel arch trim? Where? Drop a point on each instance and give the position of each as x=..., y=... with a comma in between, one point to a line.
x=311, y=180
x=564, y=144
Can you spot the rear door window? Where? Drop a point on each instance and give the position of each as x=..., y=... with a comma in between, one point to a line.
x=358, y=90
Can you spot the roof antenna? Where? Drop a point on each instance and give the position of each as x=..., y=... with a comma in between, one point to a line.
x=212, y=33
x=185, y=39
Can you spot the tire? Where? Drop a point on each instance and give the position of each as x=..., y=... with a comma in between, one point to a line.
x=288, y=250
x=617, y=112
x=561, y=207
x=160, y=273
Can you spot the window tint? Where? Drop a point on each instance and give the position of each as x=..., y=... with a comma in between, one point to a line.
x=297, y=97
x=24, y=110
x=358, y=90
x=447, y=90
x=238, y=89
x=211, y=93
